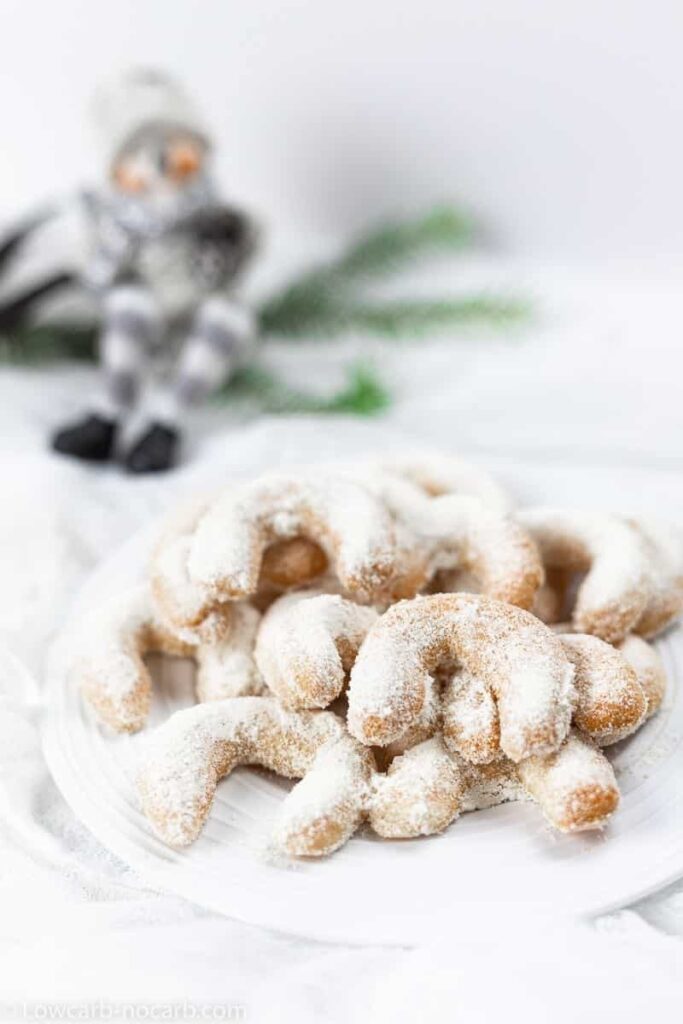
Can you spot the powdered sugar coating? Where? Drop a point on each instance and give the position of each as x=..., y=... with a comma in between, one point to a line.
x=611, y=698
x=324, y=810
x=189, y=753
x=495, y=550
x=518, y=657
x=108, y=653
x=436, y=473
x=615, y=691
x=180, y=603
x=649, y=668
x=107, y=659
x=614, y=594
x=664, y=546
x=227, y=667
x=575, y=787
x=420, y=794
x=643, y=659
x=611, y=703
x=306, y=646
x=343, y=518
x=457, y=532
x=491, y=784
x=426, y=788
x=427, y=724
x=470, y=718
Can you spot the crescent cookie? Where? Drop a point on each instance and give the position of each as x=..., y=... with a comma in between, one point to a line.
x=306, y=645
x=522, y=662
x=611, y=698
x=113, y=639
x=421, y=793
x=616, y=690
x=611, y=702
x=463, y=533
x=616, y=590
x=643, y=659
x=196, y=747
x=438, y=474
x=664, y=545
x=575, y=787
x=182, y=602
x=339, y=515
x=426, y=788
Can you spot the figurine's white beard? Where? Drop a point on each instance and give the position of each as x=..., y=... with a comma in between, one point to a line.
x=156, y=211
x=164, y=200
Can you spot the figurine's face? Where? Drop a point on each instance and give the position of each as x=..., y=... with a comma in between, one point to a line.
x=159, y=167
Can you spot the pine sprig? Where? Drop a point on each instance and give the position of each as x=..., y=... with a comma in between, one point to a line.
x=416, y=318
x=391, y=246
x=362, y=395
x=320, y=300
x=406, y=318
x=302, y=309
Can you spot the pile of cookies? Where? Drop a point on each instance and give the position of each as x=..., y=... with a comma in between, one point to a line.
x=397, y=636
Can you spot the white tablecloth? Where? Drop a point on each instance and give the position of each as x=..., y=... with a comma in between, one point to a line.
x=595, y=381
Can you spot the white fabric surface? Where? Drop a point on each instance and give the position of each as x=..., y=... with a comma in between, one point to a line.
x=596, y=381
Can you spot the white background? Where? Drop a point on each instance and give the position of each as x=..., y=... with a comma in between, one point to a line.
x=558, y=121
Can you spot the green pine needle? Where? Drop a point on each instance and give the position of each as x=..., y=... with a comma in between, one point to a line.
x=362, y=395
x=407, y=318
x=49, y=344
x=414, y=318
x=314, y=300
x=391, y=246
x=302, y=309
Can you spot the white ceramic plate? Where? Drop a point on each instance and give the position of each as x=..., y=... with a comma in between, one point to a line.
x=373, y=890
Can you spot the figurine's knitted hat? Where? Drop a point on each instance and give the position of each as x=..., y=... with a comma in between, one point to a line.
x=140, y=101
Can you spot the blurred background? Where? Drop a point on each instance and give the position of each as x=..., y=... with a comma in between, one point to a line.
x=546, y=346
x=559, y=123
x=555, y=127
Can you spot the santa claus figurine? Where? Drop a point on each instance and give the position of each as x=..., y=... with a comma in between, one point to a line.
x=164, y=256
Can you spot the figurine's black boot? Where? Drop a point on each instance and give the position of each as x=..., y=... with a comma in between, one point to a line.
x=155, y=451
x=91, y=438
